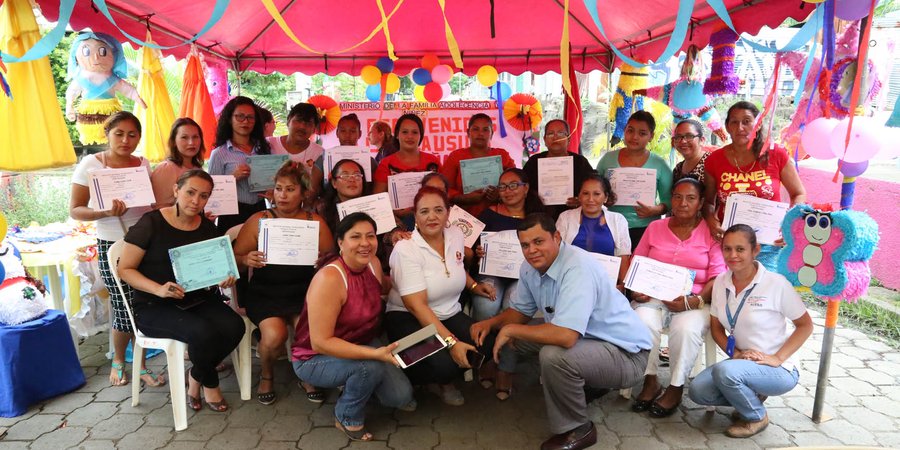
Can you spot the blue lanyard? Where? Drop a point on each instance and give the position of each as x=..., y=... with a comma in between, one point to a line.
x=732, y=320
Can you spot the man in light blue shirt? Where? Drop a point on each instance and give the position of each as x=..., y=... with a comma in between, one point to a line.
x=590, y=338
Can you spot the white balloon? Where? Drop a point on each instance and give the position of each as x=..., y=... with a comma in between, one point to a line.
x=865, y=139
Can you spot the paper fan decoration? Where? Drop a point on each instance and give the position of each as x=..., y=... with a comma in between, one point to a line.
x=523, y=112
x=329, y=112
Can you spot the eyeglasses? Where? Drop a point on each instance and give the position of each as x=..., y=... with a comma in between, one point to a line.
x=244, y=117
x=556, y=134
x=684, y=137
x=511, y=186
x=349, y=176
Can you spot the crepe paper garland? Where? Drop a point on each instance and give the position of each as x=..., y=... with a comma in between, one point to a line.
x=217, y=13
x=816, y=138
x=808, y=31
x=827, y=252
x=851, y=9
x=46, y=44
x=452, y=45
x=523, y=112
x=864, y=140
x=329, y=112
x=3, y=83
x=722, y=80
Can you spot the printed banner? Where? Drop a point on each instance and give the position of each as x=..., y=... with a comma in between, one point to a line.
x=445, y=125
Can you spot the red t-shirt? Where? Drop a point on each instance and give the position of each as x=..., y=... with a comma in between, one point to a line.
x=451, y=171
x=761, y=180
x=392, y=164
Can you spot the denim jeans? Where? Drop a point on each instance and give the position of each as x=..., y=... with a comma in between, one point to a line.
x=738, y=383
x=361, y=378
x=484, y=308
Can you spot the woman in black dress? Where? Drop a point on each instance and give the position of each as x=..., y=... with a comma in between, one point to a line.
x=276, y=293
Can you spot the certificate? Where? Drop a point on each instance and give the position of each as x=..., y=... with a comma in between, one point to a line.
x=657, y=279
x=263, y=169
x=223, y=201
x=361, y=155
x=632, y=185
x=377, y=206
x=554, y=181
x=764, y=216
x=289, y=242
x=130, y=184
x=479, y=173
x=502, y=254
x=402, y=188
x=203, y=264
x=467, y=223
x=610, y=265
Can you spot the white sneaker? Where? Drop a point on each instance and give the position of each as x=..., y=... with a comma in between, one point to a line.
x=451, y=396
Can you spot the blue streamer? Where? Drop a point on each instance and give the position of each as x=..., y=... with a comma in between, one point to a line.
x=807, y=32
x=828, y=35
x=806, y=68
x=682, y=20
x=218, y=12
x=3, y=84
x=47, y=43
x=500, y=118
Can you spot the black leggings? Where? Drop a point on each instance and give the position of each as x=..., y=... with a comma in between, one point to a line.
x=440, y=367
x=636, y=234
x=211, y=330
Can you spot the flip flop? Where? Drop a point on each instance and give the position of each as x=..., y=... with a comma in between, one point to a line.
x=157, y=381
x=358, y=435
x=120, y=375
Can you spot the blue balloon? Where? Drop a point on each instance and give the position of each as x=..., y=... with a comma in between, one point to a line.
x=385, y=64
x=505, y=90
x=373, y=92
x=421, y=76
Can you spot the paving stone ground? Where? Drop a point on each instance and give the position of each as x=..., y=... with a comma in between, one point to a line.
x=863, y=399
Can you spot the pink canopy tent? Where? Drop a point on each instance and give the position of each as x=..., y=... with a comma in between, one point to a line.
x=527, y=32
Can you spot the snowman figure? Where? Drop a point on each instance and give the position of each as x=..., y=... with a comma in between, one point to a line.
x=817, y=230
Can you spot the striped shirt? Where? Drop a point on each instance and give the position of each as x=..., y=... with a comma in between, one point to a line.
x=224, y=160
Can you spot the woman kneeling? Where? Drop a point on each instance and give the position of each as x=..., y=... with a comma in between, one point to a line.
x=753, y=304
x=336, y=340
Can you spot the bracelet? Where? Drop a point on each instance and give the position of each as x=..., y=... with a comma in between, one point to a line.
x=687, y=305
x=702, y=302
x=473, y=286
x=450, y=340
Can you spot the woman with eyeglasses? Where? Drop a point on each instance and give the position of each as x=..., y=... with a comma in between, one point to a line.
x=347, y=181
x=517, y=200
x=638, y=133
x=239, y=134
x=276, y=293
x=556, y=138
x=593, y=227
x=688, y=140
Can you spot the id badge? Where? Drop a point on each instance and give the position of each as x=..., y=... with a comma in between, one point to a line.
x=729, y=347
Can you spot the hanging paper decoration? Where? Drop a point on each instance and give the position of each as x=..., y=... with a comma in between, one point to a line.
x=158, y=118
x=217, y=83
x=722, y=80
x=828, y=252
x=329, y=112
x=97, y=70
x=3, y=83
x=195, y=100
x=624, y=101
x=523, y=112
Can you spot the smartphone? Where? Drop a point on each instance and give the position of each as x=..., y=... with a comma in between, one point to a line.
x=475, y=359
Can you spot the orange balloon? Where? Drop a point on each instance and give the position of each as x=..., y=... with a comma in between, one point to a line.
x=430, y=61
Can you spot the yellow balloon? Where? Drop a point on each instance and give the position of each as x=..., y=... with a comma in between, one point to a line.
x=487, y=76
x=419, y=93
x=370, y=75
x=393, y=83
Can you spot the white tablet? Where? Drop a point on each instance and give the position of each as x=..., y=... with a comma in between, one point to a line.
x=418, y=346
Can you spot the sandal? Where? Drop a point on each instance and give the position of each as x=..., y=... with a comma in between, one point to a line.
x=148, y=378
x=194, y=403
x=504, y=394
x=315, y=396
x=217, y=406
x=120, y=378
x=359, y=435
x=266, y=398
x=486, y=383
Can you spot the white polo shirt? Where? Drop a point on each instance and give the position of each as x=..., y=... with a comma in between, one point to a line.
x=416, y=267
x=763, y=322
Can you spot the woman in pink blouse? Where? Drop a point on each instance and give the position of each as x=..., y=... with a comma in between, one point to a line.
x=683, y=240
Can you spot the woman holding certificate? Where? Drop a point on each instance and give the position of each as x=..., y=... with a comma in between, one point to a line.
x=755, y=336
x=186, y=149
x=745, y=167
x=683, y=240
x=277, y=292
x=337, y=342
x=593, y=227
x=123, y=132
x=161, y=306
x=239, y=134
x=641, y=180
x=346, y=182
x=428, y=277
x=409, y=132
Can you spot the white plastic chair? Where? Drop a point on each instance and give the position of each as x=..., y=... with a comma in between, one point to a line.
x=174, y=350
x=240, y=357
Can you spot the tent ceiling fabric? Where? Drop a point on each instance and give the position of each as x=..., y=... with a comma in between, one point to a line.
x=527, y=31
